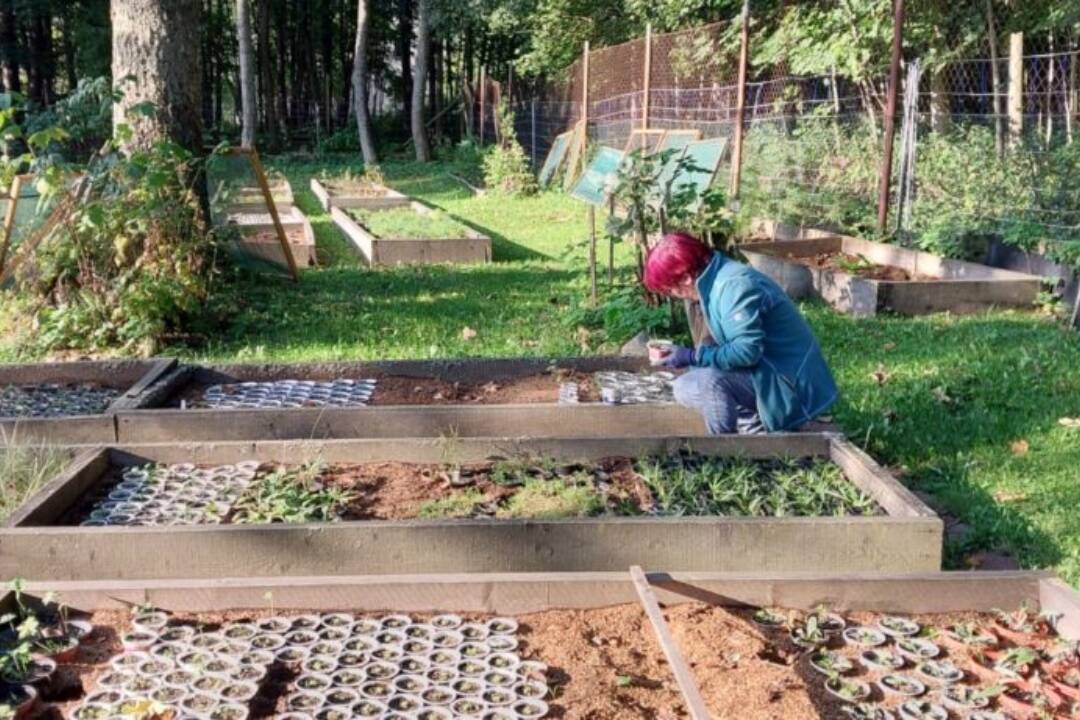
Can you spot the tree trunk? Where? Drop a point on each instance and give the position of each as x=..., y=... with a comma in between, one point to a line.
x=68, y=49
x=360, y=85
x=404, y=50
x=247, y=74
x=995, y=81
x=156, y=43
x=42, y=65
x=282, y=25
x=9, y=47
x=266, y=71
x=423, y=53
x=940, y=119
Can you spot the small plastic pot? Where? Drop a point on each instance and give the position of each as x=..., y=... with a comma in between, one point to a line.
x=291, y=654
x=447, y=639
x=150, y=621
x=852, y=691
x=179, y=679
x=442, y=675
x=167, y=695
x=468, y=706
x=240, y=631
x=417, y=647
x=208, y=641
x=411, y=684
x=302, y=637
x=474, y=650
x=257, y=657
x=365, y=626
x=865, y=637
x=229, y=711
x=387, y=654
x=414, y=665
x=964, y=697
x=377, y=690
x=274, y=625
x=434, y=713
x=867, y=711
x=342, y=697
x=503, y=661
x=474, y=632
x=305, y=702
x=88, y=711
x=249, y=673
x=267, y=641
x=381, y=670
x=468, y=687
x=390, y=636
x=334, y=634
x=405, y=703
x=314, y=682
x=530, y=708
x=333, y=713
x=921, y=710
x=199, y=704
x=61, y=650
x=327, y=648
x=155, y=666
x=115, y=679
x=438, y=696
x=472, y=668
x=444, y=657
x=319, y=664
x=361, y=643
x=22, y=698
x=502, y=626
x=499, y=697
x=337, y=620
x=939, y=672
x=349, y=659
x=917, y=650
x=209, y=683
x=900, y=685
x=503, y=643
x=828, y=663
x=177, y=634
x=532, y=670
x=368, y=707
x=221, y=665
x=446, y=621
x=305, y=622
x=500, y=678
x=395, y=622
x=531, y=689
x=105, y=697
x=239, y=691
x=895, y=626
x=348, y=677
x=882, y=659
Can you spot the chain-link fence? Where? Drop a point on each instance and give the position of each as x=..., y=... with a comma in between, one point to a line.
x=980, y=152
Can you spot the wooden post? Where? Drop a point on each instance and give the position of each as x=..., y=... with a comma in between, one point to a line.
x=611, y=247
x=1016, y=87
x=585, y=88
x=260, y=176
x=483, y=97
x=890, y=116
x=9, y=218
x=684, y=677
x=592, y=252
x=740, y=111
x=647, y=81
x=995, y=82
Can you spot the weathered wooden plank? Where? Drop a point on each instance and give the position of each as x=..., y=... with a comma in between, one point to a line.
x=330, y=199
x=876, y=481
x=515, y=593
x=80, y=430
x=475, y=248
x=1057, y=598
x=684, y=678
x=134, y=396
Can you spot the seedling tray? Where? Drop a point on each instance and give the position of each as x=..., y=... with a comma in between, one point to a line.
x=469, y=418
x=258, y=236
x=385, y=198
x=475, y=248
x=907, y=537
x=590, y=629
x=128, y=378
x=937, y=284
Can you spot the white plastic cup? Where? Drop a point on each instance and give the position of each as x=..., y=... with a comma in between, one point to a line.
x=659, y=351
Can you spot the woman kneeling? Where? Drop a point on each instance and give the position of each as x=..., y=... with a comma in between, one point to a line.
x=764, y=370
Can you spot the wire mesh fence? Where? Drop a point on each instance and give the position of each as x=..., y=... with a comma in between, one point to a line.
x=984, y=152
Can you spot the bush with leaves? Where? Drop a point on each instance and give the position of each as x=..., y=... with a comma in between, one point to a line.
x=85, y=114
x=133, y=259
x=506, y=167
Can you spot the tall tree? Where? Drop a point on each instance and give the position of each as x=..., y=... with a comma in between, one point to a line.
x=156, y=59
x=266, y=72
x=9, y=47
x=420, y=72
x=360, y=84
x=249, y=118
x=404, y=51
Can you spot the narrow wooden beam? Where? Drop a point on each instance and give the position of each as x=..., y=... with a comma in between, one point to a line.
x=9, y=218
x=260, y=176
x=695, y=704
x=647, y=81
x=740, y=111
x=885, y=185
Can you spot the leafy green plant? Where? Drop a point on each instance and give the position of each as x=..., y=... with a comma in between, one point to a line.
x=455, y=505
x=291, y=496
x=24, y=470
x=698, y=485
x=408, y=223
x=505, y=165
x=558, y=498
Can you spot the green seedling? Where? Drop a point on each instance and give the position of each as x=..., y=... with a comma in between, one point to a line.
x=292, y=496
x=455, y=505
x=559, y=498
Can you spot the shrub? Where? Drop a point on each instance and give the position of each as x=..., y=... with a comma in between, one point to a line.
x=506, y=167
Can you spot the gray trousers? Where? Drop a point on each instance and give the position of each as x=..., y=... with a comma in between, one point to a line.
x=725, y=398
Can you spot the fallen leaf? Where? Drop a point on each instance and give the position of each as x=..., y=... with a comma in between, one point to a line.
x=889, y=346
x=1069, y=422
x=1004, y=496
x=468, y=333
x=881, y=375
x=1020, y=447
x=942, y=396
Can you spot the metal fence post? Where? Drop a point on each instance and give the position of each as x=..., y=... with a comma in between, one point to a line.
x=890, y=116
x=647, y=84
x=740, y=113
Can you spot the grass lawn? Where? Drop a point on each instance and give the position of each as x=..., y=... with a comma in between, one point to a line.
x=966, y=408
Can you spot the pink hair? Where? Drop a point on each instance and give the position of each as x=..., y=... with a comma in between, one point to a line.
x=676, y=257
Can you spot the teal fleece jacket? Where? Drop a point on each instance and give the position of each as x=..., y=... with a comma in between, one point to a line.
x=758, y=328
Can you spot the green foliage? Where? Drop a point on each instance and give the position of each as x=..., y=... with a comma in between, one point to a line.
x=624, y=313
x=558, y=498
x=696, y=485
x=455, y=505
x=297, y=495
x=24, y=470
x=85, y=115
x=506, y=168
x=408, y=223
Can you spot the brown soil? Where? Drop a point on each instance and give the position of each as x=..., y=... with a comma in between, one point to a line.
x=541, y=388
x=858, y=266
x=354, y=189
x=605, y=663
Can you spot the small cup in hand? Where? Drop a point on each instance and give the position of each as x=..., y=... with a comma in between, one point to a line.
x=659, y=351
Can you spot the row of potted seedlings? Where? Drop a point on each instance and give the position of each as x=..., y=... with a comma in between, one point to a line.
x=624, y=388
x=180, y=494
x=896, y=667
x=342, y=392
x=326, y=667
x=54, y=400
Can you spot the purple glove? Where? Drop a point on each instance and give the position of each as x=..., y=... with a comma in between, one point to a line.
x=680, y=357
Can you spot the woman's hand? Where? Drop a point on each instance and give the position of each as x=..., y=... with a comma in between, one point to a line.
x=679, y=357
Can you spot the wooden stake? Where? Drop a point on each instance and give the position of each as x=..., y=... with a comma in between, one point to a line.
x=647, y=82
x=695, y=704
x=592, y=252
x=483, y=98
x=885, y=185
x=264, y=185
x=611, y=247
x=9, y=218
x=1016, y=87
x=740, y=112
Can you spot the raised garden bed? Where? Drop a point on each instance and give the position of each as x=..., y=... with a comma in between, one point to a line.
x=597, y=640
x=478, y=505
x=492, y=398
x=259, y=238
x=250, y=199
x=414, y=234
x=72, y=403
x=863, y=278
x=357, y=193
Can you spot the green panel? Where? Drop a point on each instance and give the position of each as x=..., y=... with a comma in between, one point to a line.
x=594, y=184
x=554, y=159
x=675, y=142
x=706, y=155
